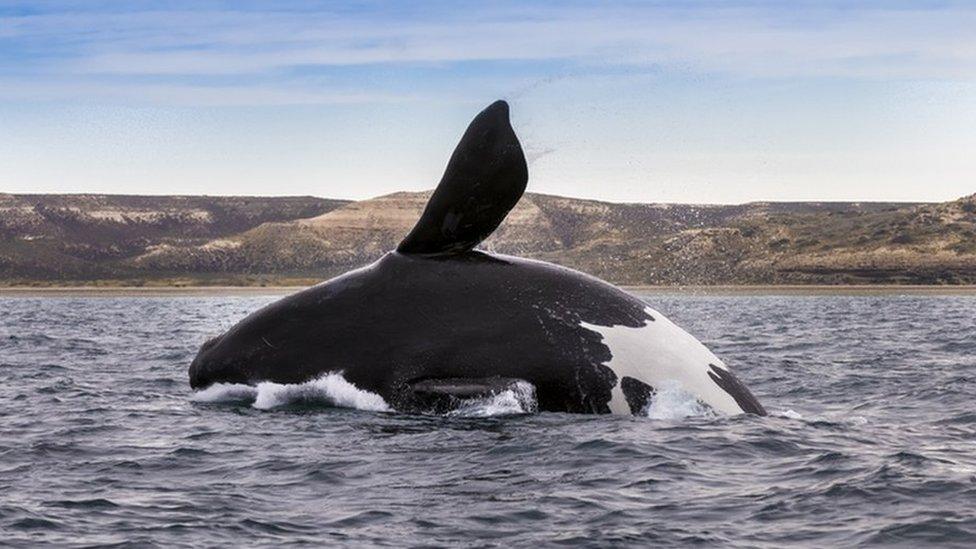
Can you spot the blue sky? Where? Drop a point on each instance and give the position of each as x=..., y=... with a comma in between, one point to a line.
x=716, y=102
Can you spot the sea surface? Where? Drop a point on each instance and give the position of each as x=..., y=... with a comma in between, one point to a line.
x=871, y=441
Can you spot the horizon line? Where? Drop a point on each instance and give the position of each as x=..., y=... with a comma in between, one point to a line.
x=570, y=197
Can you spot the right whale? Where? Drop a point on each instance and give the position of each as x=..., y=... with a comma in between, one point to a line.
x=436, y=323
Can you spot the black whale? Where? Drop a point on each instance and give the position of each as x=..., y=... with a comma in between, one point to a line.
x=436, y=322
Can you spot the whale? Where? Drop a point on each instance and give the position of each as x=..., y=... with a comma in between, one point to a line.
x=437, y=322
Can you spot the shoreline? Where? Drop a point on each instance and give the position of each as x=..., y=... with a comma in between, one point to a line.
x=811, y=289
x=718, y=290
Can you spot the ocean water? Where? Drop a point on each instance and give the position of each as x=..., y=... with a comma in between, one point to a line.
x=871, y=441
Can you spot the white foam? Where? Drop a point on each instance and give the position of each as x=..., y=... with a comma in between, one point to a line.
x=226, y=392
x=519, y=398
x=329, y=390
x=788, y=414
x=672, y=401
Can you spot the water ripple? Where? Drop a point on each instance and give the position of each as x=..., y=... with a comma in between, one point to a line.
x=873, y=441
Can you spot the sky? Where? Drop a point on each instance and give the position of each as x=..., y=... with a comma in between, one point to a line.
x=702, y=102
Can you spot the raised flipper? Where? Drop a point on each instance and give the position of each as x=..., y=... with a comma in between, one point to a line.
x=446, y=394
x=484, y=179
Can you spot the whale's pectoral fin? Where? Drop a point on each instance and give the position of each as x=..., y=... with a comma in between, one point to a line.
x=731, y=384
x=484, y=179
x=445, y=394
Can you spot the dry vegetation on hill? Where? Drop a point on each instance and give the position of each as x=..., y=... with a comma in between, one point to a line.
x=72, y=239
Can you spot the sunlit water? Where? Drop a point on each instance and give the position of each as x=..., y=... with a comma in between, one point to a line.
x=872, y=439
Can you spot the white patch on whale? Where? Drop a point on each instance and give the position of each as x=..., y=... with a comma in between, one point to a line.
x=661, y=354
x=329, y=390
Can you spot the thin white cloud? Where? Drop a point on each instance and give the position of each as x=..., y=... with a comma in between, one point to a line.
x=185, y=95
x=768, y=42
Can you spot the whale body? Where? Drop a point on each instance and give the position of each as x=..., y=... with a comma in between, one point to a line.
x=435, y=322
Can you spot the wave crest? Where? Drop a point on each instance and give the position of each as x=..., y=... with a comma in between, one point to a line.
x=671, y=401
x=331, y=390
x=518, y=398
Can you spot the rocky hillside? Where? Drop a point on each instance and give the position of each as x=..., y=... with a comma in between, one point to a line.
x=235, y=240
x=87, y=237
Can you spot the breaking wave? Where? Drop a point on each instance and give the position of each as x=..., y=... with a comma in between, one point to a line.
x=330, y=390
x=519, y=398
x=787, y=414
x=671, y=401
